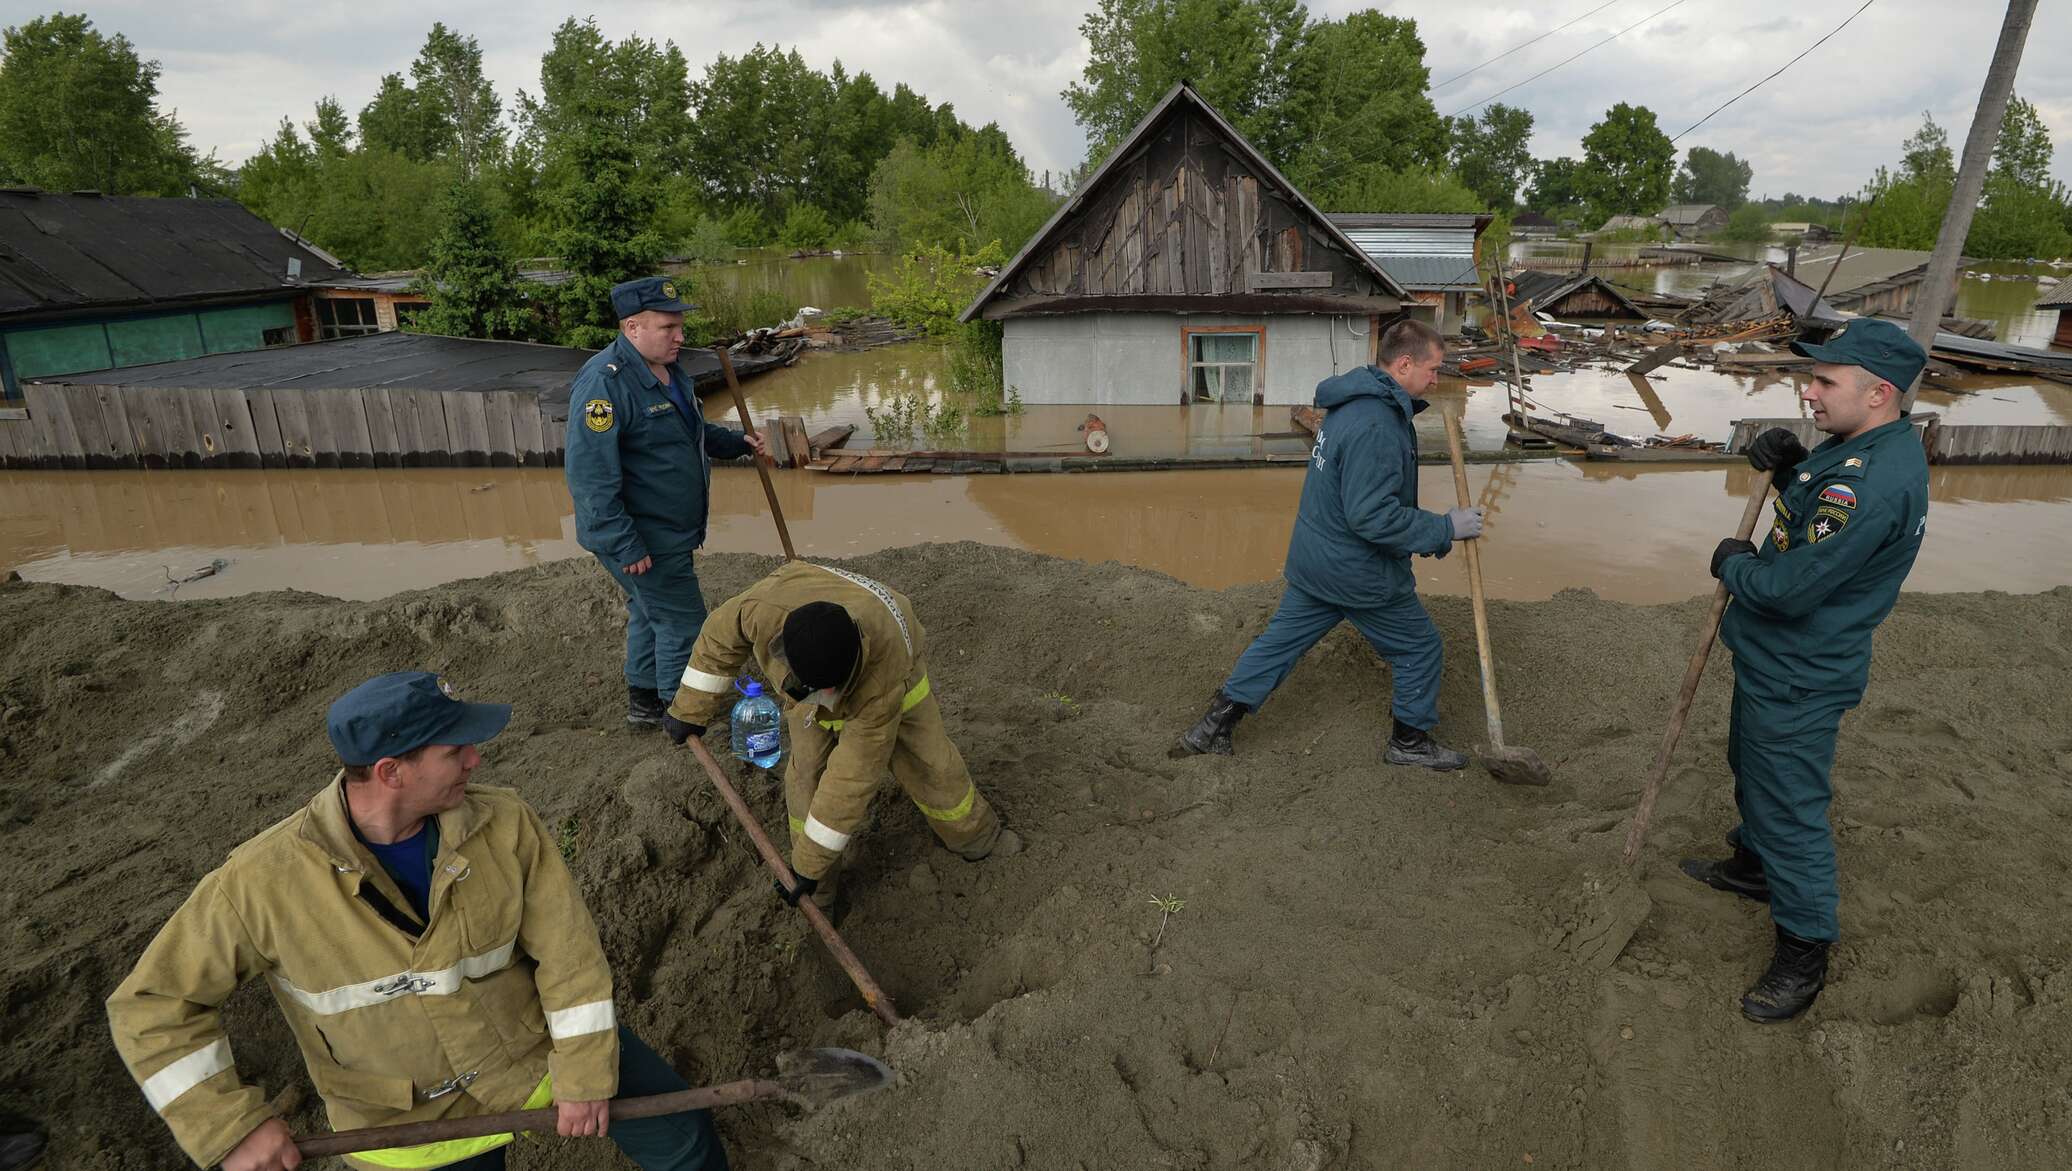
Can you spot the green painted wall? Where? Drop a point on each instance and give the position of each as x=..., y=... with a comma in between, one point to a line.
x=50, y=350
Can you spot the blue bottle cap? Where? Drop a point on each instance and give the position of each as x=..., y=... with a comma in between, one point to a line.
x=751, y=688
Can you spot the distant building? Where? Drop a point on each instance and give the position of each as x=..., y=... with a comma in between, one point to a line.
x=96, y=282
x=1633, y=223
x=1873, y=280
x=1691, y=220
x=1435, y=257
x=1800, y=231
x=1570, y=296
x=2060, y=299
x=1531, y=225
x=1185, y=269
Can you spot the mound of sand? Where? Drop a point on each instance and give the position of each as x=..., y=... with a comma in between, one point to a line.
x=1373, y=967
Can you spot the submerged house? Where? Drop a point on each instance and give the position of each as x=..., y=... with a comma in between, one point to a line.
x=1186, y=269
x=2060, y=299
x=1875, y=280
x=1436, y=257
x=96, y=282
x=1692, y=220
x=1571, y=295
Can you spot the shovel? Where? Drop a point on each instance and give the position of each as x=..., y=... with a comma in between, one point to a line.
x=1511, y=765
x=812, y=1079
x=762, y=462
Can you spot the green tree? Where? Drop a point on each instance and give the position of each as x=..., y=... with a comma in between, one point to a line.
x=471, y=281
x=635, y=88
x=760, y=132
x=2022, y=153
x=448, y=73
x=405, y=121
x=1489, y=153
x=1627, y=162
x=1927, y=155
x=1748, y=224
x=958, y=194
x=1378, y=190
x=1557, y=186
x=805, y=226
x=1707, y=176
x=602, y=223
x=79, y=111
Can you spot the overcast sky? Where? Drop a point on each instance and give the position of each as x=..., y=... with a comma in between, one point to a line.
x=234, y=67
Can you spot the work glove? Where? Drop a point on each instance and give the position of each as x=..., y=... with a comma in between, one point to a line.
x=679, y=731
x=1731, y=547
x=1466, y=522
x=804, y=889
x=1776, y=451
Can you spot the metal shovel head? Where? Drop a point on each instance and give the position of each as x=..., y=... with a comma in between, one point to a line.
x=815, y=1077
x=1517, y=766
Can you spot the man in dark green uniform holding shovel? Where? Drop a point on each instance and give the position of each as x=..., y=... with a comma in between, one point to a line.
x=1849, y=519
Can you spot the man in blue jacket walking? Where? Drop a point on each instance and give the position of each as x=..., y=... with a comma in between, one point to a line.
x=639, y=465
x=1349, y=559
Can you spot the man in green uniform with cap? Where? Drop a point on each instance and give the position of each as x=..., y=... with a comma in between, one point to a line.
x=1848, y=522
x=639, y=467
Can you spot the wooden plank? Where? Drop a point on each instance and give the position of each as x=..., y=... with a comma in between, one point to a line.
x=151, y=424
x=772, y=432
x=467, y=429
x=831, y=438
x=410, y=437
x=338, y=429
x=872, y=464
x=1288, y=280
x=501, y=439
x=1176, y=273
x=1218, y=205
x=323, y=443
x=381, y=427
x=528, y=427
x=112, y=403
x=1658, y=357
x=795, y=440
x=13, y=424
x=435, y=436
x=85, y=408
x=266, y=428
x=895, y=463
x=57, y=440
x=845, y=463
x=230, y=425
x=1248, y=224
x=291, y=410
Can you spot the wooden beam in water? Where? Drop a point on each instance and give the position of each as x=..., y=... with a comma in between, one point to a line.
x=266, y=427
x=236, y=445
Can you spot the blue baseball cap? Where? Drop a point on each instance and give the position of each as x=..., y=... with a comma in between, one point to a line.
x=1877, y=345
x=649, y=292
x=404, y=711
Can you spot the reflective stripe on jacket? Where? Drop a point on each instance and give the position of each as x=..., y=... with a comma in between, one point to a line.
x=505, y=984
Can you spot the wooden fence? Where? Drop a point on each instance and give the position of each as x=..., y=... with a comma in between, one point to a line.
x=158, y=427
x=1946, y=443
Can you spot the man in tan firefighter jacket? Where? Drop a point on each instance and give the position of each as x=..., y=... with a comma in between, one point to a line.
x=851, y=658
x=428, y=947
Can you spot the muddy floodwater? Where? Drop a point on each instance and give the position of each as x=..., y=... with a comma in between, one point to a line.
x=1629, y=532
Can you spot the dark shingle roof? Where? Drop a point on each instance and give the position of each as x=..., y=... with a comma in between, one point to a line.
x=60, y=252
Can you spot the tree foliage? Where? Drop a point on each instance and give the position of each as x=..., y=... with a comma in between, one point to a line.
x=2022, y=213
x=79, y=111
x=601, y=224
x=1627, y=162
x=1490, y=153
x=471, y=281
x=960, y=194
x=1708, y=176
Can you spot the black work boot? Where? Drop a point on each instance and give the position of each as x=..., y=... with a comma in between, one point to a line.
x=21, y=1142
x=1797, y=973
x=1212, y=734
x=644, y=708
x=1415, y=746
x=1741, y=874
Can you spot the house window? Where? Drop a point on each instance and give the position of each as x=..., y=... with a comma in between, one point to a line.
x=407, y=311
x=345, y=317
x=1225, y=364
x=283, y=335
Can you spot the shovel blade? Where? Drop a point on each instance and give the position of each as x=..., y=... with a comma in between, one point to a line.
x=1517, y=766
x=815, y=1077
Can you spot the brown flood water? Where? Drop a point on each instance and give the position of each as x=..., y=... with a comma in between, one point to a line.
x=1631, y=534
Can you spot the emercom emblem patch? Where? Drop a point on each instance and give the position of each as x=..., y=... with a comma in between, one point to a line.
x=597, y=415
x=1828, y=521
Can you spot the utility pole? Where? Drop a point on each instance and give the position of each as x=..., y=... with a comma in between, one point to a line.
x=1938, y=288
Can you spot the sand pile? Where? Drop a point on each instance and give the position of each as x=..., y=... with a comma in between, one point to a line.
x=1370, y=968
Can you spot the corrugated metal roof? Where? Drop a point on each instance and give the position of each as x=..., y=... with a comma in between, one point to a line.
x=1686, y=213
x=1381, y=242
x=1349, y=220
x=1429, y=273
x=2057, y=298
x=61, y=252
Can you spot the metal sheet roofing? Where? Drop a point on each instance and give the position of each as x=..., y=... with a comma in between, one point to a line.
x=408, y=361
x=1426, y=274
x=64, y=252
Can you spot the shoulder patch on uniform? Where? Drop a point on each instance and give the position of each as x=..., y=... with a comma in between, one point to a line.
x=1838, y=494
x=597, y=415
x=1780, y=536
x=1783, y=510
x=1852, y=462
x=1826, y=523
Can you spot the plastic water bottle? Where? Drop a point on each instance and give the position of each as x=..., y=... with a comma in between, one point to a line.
x=758, y=727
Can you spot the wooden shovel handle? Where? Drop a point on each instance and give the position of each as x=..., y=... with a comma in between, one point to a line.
x=1460, y=485
x=1692, y=674
x=762, y=462
x=410, y=1134
x=873, y=996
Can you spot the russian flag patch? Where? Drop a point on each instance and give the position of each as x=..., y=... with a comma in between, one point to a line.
x=1841, y=494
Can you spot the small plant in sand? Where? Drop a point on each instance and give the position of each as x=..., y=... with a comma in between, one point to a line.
x=566, y=832
x=1062, y=700
x=1168, y=906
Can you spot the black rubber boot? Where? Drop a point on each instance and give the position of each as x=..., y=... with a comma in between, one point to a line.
x=1797, y=973
x=21, y=1142
x=1212, y=734
x=644, y=708
x=1741, y=874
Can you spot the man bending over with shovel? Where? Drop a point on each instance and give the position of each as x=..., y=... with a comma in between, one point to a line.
x=1849, y=519
x=1349, y=559
x=428, y=947
x=850, y=659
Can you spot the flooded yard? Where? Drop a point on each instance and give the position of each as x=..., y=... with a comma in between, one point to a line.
x=1631, y=533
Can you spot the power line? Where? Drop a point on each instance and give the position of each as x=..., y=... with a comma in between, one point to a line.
x=1551, y=68
x=1524, y=45
x=1780, y=69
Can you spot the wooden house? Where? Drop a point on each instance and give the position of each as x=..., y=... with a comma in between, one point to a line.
x=1185, y=269
x=1435, y=257
x=1692, y=220
x=1570, y=296
x=2060, y=299
x=93, y=282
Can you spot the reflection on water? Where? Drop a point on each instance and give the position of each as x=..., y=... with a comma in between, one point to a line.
x=1628, y=532
x=824, y=282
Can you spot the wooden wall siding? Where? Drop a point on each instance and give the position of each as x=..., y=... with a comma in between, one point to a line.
x=1186, y=217
x=159, y=427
